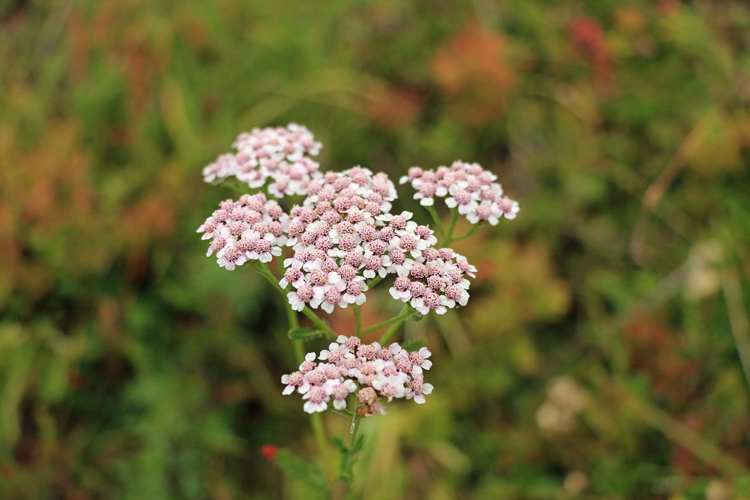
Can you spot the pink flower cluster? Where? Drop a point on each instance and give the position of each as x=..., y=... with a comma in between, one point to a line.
x=375, y=374
x=433, y=281
x=252, y=228
x=281, y=154
x=467, y=186
x=340, y=239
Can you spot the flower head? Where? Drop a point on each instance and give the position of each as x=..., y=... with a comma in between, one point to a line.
x=279, y=154
x=251, y=228
x=371, y=373
x=466, y=187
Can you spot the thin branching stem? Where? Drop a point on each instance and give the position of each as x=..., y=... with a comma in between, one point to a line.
x=473, y=230
x=438, y=223
x=397, y=322
x=263, y=270
x=374, y=282
x=358, y=324
x=405, y=313
x=449, y=235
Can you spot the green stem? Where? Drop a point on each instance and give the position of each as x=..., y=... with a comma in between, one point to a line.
x=357, y=320
x=374, y=282
x=319, y=322
x=299, y=347
x=321, y=440
x=397, y=322
x=438, y=223
x=473, y=230
x=263, y=270
x=405, y=313
x=348, y=457
x=317, y=421
x=344, y=411
x=454, y=219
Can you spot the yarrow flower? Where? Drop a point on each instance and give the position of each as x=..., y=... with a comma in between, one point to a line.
x=372, y=373
x=281, y=154
x=436, y=281
x=252, y=228
x=343, y=234
x=466, y=187
x=340, y=239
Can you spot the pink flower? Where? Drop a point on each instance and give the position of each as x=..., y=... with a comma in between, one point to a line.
x=339, y=391
x=473, y=191
x=293, y=381
x=372, y=372
x=305, y=294
x=230, y=256
x=417, y=389
x=279, y=154
x=317, y=400
x=420, y=361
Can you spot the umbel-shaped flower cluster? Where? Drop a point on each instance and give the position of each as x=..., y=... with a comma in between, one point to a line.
x=468, y=187
x=344, y=235
x=279, y=154
x=252, y=228
x=375, y=374
x=339, y=241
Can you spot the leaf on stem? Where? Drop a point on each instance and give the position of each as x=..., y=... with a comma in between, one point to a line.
x=305, y=334
x=415, y=317
x=414, y=345
x=359, y=444
x=339, y=443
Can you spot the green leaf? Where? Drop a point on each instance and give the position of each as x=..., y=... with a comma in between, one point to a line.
x=359, y=444
x=416, y=317
x=305, y=334
x=300, y=469
x=414, y=345
x=339, y=443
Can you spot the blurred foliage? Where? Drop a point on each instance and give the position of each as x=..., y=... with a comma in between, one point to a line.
x=600, y=356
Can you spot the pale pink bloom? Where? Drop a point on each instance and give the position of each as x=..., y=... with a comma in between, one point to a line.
x=456, y=294
x=305, y=294
x=410, y=243
x=335, y=353
x=417, y=389
x=401, y=289
x=339, y=391
x=420, y=361
x=484, y=212
x=464, y=265
x=508, y=208
x=332, y=296
x=293, y=381
x=224, y=166
x=294, y=276
x=208, y=228
x=464, y=200
x=230, y=256
x=355, y=291
x=376, y=265
x=317, y=400
x=470, y=188
x=392, y=386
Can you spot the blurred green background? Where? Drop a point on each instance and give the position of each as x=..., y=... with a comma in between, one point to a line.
x=600, y=355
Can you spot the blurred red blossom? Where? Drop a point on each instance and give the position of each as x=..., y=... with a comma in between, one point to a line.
x=269, y=452
x=589, y=42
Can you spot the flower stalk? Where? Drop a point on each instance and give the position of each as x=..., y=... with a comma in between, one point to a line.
x=345, y=240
